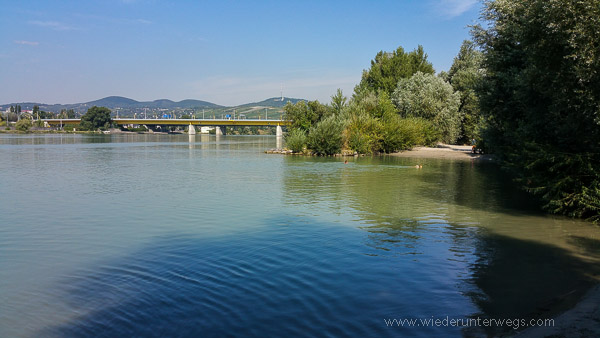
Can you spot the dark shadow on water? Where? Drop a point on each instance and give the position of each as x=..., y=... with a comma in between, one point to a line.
x=483, y=186
x=293, y=279
x=506, y=278
x=590, y=246
x=311, y=279
x=523, y=279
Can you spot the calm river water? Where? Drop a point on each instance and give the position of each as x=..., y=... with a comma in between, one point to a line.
x=170, y=235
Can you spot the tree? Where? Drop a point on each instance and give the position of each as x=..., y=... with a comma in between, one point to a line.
x=388, y=68
x=464, y=75
x=96, y=118
x=430, y=97
x=304, y=115
x=540, y=97
x=36, y=111
x=23, y=125
x=338, y=101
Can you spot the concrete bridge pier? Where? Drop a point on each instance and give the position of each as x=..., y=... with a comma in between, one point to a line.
x=191, y=130
x=278, y=131
x=221, y=130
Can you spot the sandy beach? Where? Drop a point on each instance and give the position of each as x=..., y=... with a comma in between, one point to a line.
x=443, y=151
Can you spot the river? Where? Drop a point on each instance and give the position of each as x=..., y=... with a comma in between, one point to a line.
x=177, y=235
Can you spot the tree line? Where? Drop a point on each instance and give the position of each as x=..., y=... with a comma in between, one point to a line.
x=398, y=104
x=526, y=89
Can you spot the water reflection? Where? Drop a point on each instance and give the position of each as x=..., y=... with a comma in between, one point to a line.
x=144, y=236
x=511, y=260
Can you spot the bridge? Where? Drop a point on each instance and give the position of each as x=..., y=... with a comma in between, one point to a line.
x=220, y=124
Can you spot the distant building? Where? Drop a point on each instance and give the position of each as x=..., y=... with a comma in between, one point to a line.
x=205, y=129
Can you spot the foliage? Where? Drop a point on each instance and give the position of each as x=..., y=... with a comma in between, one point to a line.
x=96, y=118
x=368, y=135
x=325, y=138
x=405, y=133
x=67, y=114
x=23, y=125
x=464, y=76
x=44, y=115
x=431, y=98
x=388, y=68
x=377, y=106
x=304, y=115
x=363, y=133
x=138, y=129
x=540, y=97
x=338, y=102
x=296, y=140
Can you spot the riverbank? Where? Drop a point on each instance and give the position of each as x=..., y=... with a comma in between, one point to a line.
x=583, y=320
x=443, y=151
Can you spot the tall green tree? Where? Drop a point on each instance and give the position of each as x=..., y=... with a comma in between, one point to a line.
x=430, y=97
x=464, y=76
x=389, y=67
x=96, y=118
x=338, y=101
x=541, y=97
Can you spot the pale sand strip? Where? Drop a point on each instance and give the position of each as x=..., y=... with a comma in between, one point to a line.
x=443, y=151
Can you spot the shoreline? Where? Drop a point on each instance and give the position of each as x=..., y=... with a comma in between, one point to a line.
x=444, y=151
x=582, y=320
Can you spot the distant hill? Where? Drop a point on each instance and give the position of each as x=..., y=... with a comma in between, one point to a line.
x=126, y=104
x=275, y=102
x=123, y=102
x=112, y=102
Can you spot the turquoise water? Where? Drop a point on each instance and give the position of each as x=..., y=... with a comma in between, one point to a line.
x=177, y=235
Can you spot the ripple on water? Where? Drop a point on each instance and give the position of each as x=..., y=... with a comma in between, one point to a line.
x=298, y=279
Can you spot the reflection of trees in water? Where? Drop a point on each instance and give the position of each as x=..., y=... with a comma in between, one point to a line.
x=513, y=261
x=517, y=278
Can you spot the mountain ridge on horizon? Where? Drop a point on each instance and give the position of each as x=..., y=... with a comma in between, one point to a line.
x=121, y=102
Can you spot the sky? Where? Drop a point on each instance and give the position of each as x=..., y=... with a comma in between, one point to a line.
x=224, y=52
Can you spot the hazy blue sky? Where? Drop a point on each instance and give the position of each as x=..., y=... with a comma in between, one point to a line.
x=226, y=52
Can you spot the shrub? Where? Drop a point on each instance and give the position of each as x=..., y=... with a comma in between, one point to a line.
x=326, y=138
x=23, y=125
x=363, y=133
x=71, y=127
x=296, y=140
x=402, y=134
